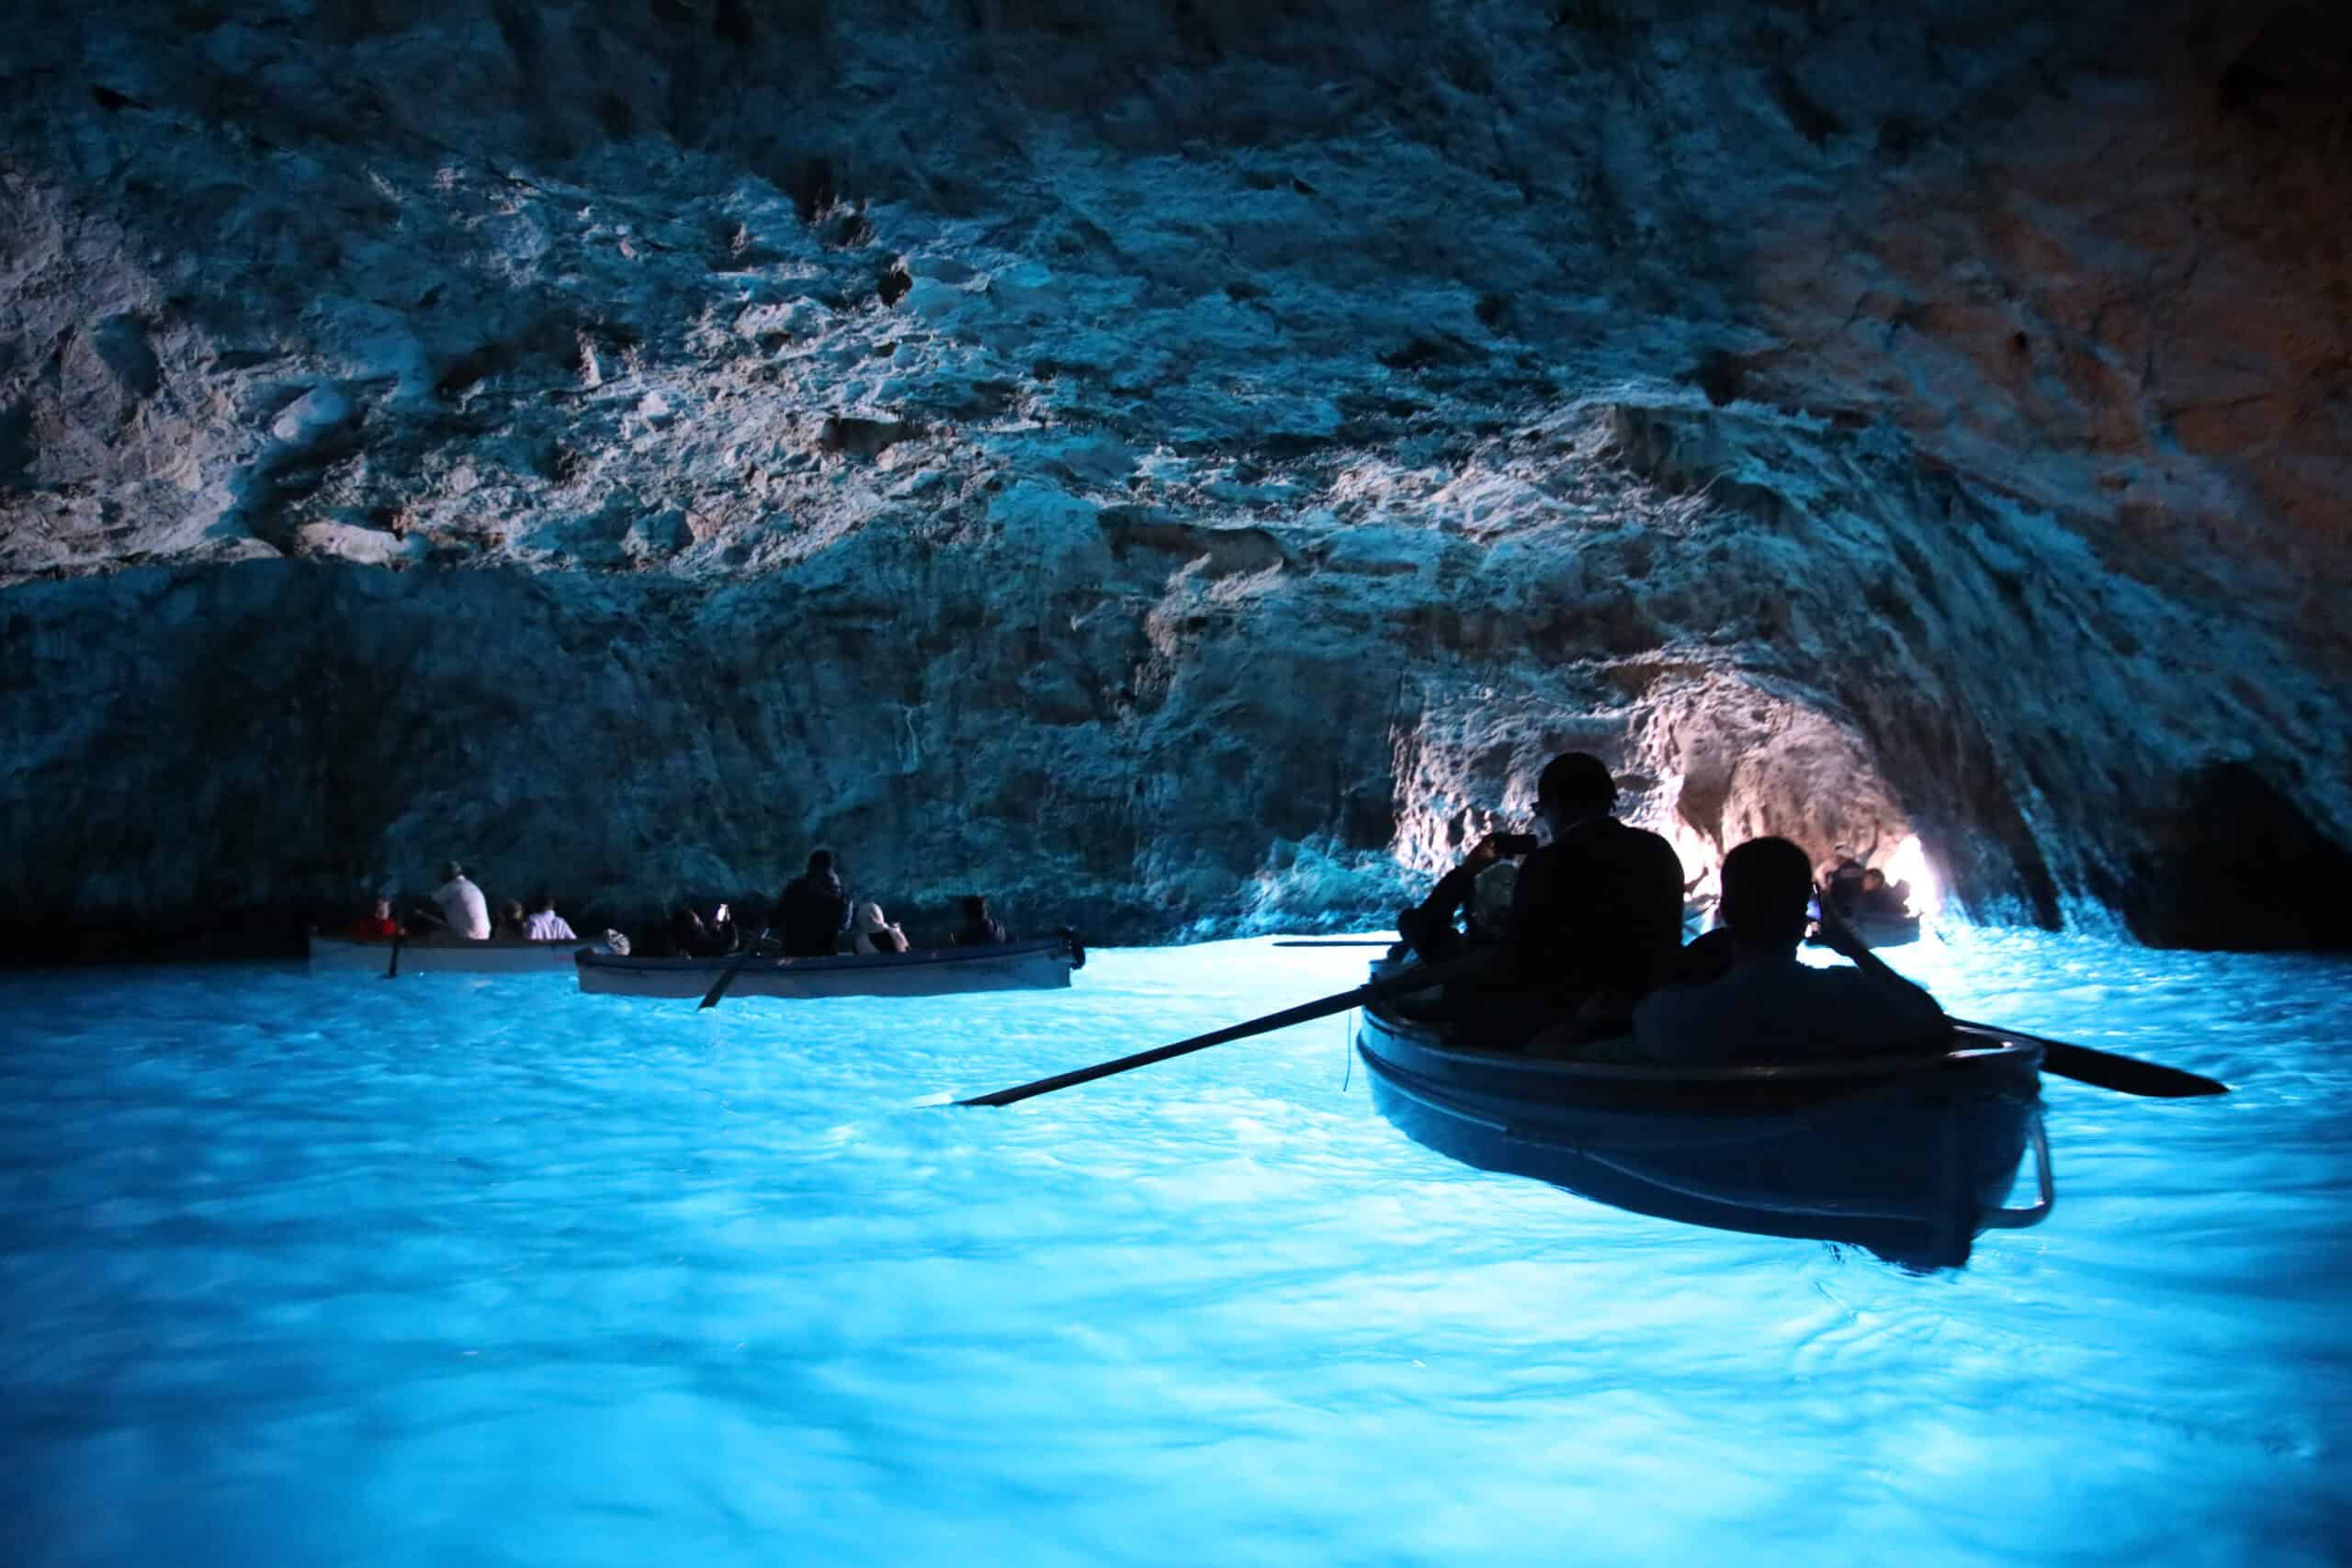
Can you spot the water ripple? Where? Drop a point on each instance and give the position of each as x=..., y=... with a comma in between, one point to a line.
x=306, y=1269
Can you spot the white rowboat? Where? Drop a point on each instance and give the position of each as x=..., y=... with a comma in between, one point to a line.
x=1044, y=964
x=444, y=955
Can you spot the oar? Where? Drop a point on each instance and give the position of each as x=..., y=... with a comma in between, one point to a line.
x=2101, y=1069
x=2105, y=1069
x=1411, y=980
x=400, y=935
x=727, y=976
x=1339, y=941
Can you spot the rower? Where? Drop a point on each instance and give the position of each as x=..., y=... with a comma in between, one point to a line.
x=463, y=908
x=1771, y=1007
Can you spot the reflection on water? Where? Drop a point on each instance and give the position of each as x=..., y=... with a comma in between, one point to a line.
x=456, y=1270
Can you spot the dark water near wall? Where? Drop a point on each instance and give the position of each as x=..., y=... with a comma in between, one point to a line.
x=307, y=1270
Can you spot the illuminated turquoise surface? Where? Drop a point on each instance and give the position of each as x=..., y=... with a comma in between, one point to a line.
x=330, y=1270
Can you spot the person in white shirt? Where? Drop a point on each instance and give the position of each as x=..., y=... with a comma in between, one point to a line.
x=545, y=925
x=463, y=907
x=1769, y=1007
x=872, y=933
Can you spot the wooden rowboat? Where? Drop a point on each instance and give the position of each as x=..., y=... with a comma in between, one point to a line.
x=1881, y=930
x=1910, y=1157
x=442, y=956
x=1044, y=964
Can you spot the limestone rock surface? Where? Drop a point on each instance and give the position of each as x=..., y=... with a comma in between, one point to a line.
x=1172, y=466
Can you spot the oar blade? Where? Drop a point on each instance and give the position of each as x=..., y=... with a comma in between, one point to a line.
x=726, y=978
x=2125, y=1075
x=2105, y=1069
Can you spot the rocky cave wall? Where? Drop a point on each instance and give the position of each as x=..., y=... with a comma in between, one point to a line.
x=1170, y=465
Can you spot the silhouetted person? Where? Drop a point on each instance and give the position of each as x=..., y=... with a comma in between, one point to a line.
x=1598, y=912
x=1595, y=917
x=510, y=921
x=1771, y=1007
x=979, y=928
x=1482, y=889
x=1841, y=882
x=813, y=911
x=1880, y=900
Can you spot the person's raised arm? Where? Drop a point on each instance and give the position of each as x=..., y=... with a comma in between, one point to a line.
x=1909, y=995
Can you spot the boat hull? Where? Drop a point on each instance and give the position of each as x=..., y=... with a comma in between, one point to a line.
x=1881, y=930
x=1042, y=964
x=442, y=956
x=1909, y=1158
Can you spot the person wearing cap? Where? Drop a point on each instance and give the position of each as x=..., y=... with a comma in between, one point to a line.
x=1600, y=907
x=1596, y=917
x=463, y=908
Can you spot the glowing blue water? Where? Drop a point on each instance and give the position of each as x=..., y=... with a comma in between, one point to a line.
x=326, y=1269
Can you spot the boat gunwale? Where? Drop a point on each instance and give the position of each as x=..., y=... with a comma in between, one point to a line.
x=1422, y=1036
x=830, y=964
x=438, y=943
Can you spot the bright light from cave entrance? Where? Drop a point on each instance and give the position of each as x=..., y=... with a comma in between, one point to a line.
x=1909, y=864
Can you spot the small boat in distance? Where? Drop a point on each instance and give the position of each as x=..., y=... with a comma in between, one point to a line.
x=1910, y=1157
x=1879, y=931
x=1041, y=964
x=443, y=955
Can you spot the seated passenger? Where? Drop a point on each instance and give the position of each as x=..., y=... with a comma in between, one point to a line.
x=1481, y=889
x=463, y=909
x=979, y=928
x=1769, y=1007
x=1601, y=904
x=545, y=924
x=1880, y=899
x=872, y=933
x=377, y=925
x=692, y=936
x=813, y=911
x=1595, y=918
x=509, y=926
x=1841, y=881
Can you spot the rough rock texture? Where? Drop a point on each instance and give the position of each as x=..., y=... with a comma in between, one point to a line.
x=1166, y=463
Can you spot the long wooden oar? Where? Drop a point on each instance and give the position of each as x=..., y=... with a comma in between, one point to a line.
x=394, y=968
x=2105, y=1069
x=1324, y=1007
x=727, y=976
x=1339, y=941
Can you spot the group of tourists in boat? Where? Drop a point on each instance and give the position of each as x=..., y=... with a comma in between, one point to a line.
x=1583, y=950
x=813, y=917
x=461, y=911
